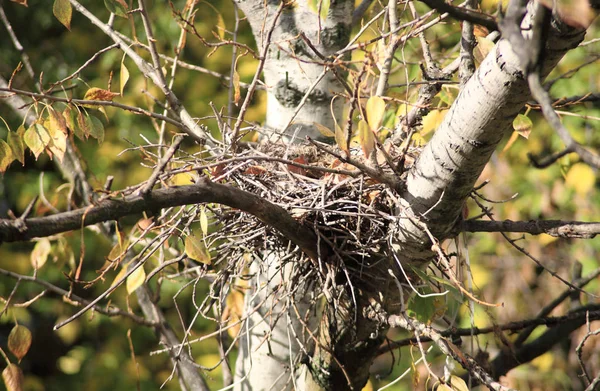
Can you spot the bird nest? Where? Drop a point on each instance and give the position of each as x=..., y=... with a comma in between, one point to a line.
x=349, y=211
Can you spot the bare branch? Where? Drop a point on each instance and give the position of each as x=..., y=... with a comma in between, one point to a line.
x=203, y=191
x=556, y=228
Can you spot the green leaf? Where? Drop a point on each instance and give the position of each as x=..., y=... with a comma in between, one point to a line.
x=6, y=156
x=17, y=145
x=117, y=7
x=37, y=138
x=19, y=341
x=63, y=11
x=136, y=279
x=96, y=128
x=523, y=125
x=375, y=112
x=196, y=250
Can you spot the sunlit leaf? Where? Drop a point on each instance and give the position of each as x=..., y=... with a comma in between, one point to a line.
x=366, y=138
x=196, y=250
x=484, y=46
x=19, y=341
x=6, y=155
x=136, y=279
x=324, y=130
x=17, y=145
x=341, y=138
x=63, y=11
x=40, y=253
x=458, y=384
x=100, y=94
x=119, y=276
x=13, y=377
x=523, y=125
x=57, y=128
x=117, y=7
x=375, y=112
x=37, y=138
x=203, y=221
x=123, y=76
x=236, y=87
x=234, y=309
x=581, y=178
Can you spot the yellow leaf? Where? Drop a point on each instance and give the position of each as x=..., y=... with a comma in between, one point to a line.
x=432, y=120
x=203, y=221
x=196, y=250
x=366, y=138
x=523, y=125
x=119, y=276
x=19, y=341
x=375, y=112
x=458, y=384
x=40, y=253
x=6, y=155
x=234, y=309
x=36, y=138
x=123, y=76
x=236, y=87
x=57, y=121
x=63, y=11
x=581, y=178
x=58, y=134
x=136, y=279
x=341, y=138
x=324, y=130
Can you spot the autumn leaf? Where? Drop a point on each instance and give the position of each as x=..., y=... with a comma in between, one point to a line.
x=324, y=130
x=236, y=87
x=37, y=138
x=123, y=76
x=341, y=139
x=6, y=155
x=95, y=93
x=13, y=377
x=40, y=253
x=63, y=11
x=581, y=178
x=136, y=279
x=19, y=341
x=366, y=138
x=196, y=250
x=17, y=145
x=375, y=112
x=203, y=221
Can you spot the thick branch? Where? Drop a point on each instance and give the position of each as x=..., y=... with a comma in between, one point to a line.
x=556, y=228
x=203, y=191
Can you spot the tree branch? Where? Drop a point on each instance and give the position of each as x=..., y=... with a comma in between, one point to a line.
x=203, y=191
x=556, y=228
